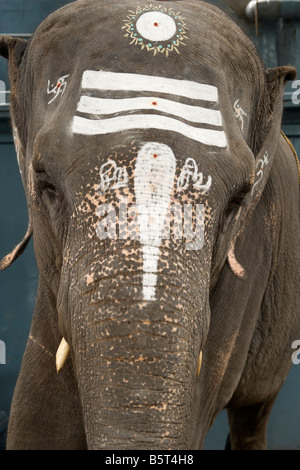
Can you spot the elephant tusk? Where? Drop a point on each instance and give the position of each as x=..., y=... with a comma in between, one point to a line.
x=62, y=354
x=199, y=363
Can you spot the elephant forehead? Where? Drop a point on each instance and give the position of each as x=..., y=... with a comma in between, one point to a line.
x=179, y=87
x=167, y=93
x=96, y=98
x=129, y=106
x=153, y=39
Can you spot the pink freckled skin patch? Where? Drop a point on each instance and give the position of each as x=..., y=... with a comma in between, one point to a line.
x=235, y=266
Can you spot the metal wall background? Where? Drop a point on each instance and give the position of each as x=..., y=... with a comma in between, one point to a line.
x=278, y=42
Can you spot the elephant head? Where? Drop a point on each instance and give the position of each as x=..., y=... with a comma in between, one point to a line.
x=145, y=136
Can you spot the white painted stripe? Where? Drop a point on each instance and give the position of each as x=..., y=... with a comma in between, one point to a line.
x=153, y=182
x=91, y=105
x=148, y=121
x=150, y=267
x=149, y=292
x=101, y=80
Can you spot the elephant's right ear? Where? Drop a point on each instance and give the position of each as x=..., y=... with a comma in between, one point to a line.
x=13, y=49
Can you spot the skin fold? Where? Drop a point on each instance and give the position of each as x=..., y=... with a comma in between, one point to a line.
x=122, y=115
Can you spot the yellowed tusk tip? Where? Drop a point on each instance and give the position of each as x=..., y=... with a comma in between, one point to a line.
x=199, y=363
x=62, y=354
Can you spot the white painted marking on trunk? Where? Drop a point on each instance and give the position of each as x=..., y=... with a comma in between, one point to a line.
x=148, y=121
x=103, y=106
x=153, y=183
x=102, y=80
x=156, y=26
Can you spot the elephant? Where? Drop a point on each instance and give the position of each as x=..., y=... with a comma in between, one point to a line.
x=163, y=202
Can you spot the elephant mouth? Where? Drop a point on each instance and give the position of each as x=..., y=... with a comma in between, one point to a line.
x=64, y=350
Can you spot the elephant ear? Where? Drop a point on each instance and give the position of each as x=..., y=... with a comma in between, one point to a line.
x=268, y=129
x=13, y=49
x=268, y=126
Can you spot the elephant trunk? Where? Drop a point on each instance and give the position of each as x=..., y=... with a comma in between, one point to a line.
x=133, y=393
x=137, y=361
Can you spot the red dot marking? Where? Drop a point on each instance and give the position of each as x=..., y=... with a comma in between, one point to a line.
x=155, y=24
x=58, y=85
x=154, y=103
x=155, y=155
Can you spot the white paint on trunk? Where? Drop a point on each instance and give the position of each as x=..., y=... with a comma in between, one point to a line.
x=153, y=183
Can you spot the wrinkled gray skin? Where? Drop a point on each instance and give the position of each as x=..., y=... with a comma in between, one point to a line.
x=132, y=379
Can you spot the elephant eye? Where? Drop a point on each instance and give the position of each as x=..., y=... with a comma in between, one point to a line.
x=50, y=188
x=237, y=200
x=234, y=203
x=231, y=209
x=46, y=186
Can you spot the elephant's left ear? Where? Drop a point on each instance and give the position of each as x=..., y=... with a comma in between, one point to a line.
x=268, y=126
x=276, y=79
x=267, y=130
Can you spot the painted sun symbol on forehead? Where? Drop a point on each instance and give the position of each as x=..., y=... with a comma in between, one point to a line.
x=156, y=29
